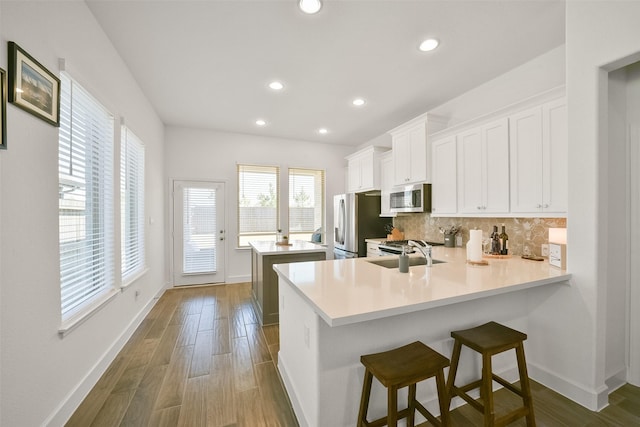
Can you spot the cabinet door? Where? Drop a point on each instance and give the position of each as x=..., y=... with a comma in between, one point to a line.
x=367, y=171
x=386, y=184
x=525, y=144
x=353, y=175
x=401, y=155
x=495, y=147
x=555, y=157
x=444, y=177
x=472, y=181
x=418, y=154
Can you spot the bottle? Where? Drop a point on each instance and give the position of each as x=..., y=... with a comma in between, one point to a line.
x=495, y=241
x=504, y=242
x=403, y=264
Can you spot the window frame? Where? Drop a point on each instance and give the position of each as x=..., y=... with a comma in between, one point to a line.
x=266, y=234
x=321, y=210
x=86, y=167
x=132, y=199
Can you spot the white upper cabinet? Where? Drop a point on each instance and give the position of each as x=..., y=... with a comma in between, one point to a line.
x=483, y=155
x=444, y=189
x=555, y=157
x=411, y=153
x=539, y=158
x=363, y=170
x=386, y=183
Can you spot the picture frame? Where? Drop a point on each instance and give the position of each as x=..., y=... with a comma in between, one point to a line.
x=3, y=109
x=32, y=87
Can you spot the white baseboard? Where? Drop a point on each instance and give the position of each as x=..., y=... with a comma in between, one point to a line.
x=293, y=398
x=67, y=407
x=592, y=399
x=238, y=279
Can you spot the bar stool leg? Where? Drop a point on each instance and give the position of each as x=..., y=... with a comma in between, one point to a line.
x=487, y=391
x=455, y=358
x=412, y=406
x=364, y=402
x=442, y=398
x=524, y=385
x=392, y=407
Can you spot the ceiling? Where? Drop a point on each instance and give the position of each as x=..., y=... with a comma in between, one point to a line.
x=207, y=64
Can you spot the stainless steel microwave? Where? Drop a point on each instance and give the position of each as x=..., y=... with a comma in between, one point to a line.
x=411, y=198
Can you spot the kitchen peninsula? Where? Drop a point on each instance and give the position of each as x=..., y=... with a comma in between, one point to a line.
x=264, y=281
x=333, y=312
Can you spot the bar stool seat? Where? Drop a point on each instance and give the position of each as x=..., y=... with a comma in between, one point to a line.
x=488, y=340
x=401, y=367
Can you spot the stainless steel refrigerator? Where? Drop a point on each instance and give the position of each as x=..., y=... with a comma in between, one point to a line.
x=356, y=218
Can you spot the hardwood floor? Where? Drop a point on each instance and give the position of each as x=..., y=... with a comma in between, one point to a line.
x=200, y=358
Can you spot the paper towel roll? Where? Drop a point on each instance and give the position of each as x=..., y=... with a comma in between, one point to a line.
x=474, y=246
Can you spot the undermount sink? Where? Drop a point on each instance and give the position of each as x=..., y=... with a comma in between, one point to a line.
x=393, y=263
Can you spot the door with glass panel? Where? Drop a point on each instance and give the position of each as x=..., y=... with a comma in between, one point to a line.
x=198, y=232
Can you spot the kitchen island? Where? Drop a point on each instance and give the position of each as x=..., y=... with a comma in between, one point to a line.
x=333, y=312
x=264, y=281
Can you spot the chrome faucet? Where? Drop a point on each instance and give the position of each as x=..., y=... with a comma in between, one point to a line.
x=424, y=249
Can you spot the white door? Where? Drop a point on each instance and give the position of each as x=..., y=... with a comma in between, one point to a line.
x=198, y=232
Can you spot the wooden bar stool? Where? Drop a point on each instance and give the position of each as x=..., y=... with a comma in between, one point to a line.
x=398, y=368
x=490, y=339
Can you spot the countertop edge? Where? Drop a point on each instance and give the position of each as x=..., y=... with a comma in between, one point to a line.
x=381, y=314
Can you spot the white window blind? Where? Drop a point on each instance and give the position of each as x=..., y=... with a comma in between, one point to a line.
x=199, y=230
x=306, y=204
x=85, y=198
x=131, y=204
x=258, y=194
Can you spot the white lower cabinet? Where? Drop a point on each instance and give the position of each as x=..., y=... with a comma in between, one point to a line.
x=539, y=157
x=373, y=249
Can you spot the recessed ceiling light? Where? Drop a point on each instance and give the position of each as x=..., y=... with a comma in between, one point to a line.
x=260, y=122
x=428, y=45
x=276, y=85
x=310, y=6
x=323, y=131
x=358, y=102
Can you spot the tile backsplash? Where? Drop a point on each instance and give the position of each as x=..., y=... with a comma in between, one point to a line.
x=522, y=231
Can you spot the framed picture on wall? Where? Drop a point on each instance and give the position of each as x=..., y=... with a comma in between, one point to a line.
x=3, y=108
x=32, y=87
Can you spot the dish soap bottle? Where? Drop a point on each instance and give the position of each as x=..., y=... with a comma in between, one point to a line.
x=403, y=264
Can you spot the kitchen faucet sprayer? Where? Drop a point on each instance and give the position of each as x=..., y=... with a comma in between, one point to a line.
x=424, y=249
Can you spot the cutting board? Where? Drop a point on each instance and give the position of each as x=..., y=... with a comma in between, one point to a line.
x=395, y=235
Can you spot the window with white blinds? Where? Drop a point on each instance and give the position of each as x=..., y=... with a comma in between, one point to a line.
x=306, y=204
x=258, y=194
x=85, y=170
x=131, y=204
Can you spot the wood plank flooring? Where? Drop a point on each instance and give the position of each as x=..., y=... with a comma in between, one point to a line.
x=200, y=358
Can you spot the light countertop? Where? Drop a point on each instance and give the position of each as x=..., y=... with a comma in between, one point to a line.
x=294, y=247
x=353, y=290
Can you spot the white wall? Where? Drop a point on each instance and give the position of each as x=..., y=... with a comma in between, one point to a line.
x=44, y=376
x=617, y=243
x=577, y=349
x=193, y=154
x=543, y=73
